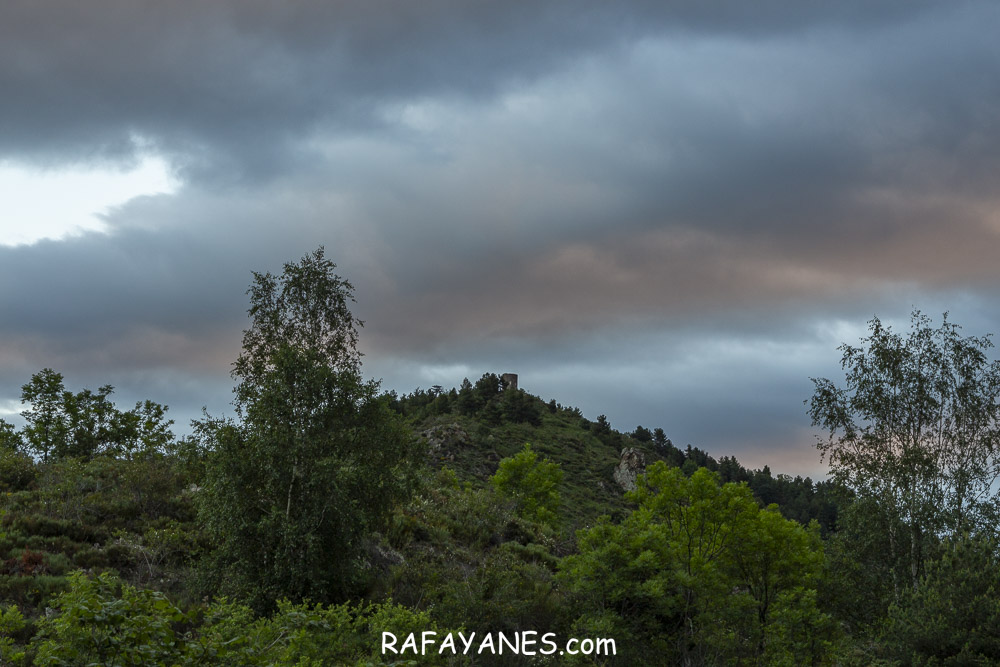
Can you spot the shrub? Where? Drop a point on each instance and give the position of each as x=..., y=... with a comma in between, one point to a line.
x=17, y=471
x=100, y=620
x=105, y=623
x=532, y=484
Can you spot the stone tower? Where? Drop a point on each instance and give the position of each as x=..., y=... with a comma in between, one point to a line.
x=509, y=380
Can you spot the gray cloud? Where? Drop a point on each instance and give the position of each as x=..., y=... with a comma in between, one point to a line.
x=593, y=196
x=229, y=85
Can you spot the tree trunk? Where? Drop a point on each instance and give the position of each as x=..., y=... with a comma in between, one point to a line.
x=892, y=561
x=291, y=485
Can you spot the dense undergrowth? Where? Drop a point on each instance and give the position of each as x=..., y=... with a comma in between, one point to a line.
x=120, y=538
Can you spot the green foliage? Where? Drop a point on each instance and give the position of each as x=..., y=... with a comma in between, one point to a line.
x=306, y=634
x=10, y=439
x=100, y=620
x=471, y=561
x=143, y=430
x=699, y=573
x=519, y=406
x=318, y=459
x=916, y=429
x=859, y=588
x=467, y=403
x=532, y=483
x=17, y=470
x=643, y=434
x=505, y=592
x=61, y=424
x=799, y=632
x=32, y=592
x=97, y=514
x=602, y=426
x=487, y=388
x=103, y=494
x=47, y=430
x=92, y=421
x=12, y=623
x=488, y=400
x=660, y=439
x=953, y=617
x=103, y=622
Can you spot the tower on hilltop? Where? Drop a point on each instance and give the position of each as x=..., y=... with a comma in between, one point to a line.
x=509, y=381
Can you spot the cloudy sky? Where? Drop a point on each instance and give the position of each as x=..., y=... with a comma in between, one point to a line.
x=670, y=213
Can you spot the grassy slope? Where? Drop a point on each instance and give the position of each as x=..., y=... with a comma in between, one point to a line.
x=588, y=489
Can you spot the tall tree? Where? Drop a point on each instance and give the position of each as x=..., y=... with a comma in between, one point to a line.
x=954, y=617
x=699, y=574
x=10, y=439
x=642, y=434
x=46, y=431
x=317, y=459
x=916, y=430
x=92, y=420
x=143, y=430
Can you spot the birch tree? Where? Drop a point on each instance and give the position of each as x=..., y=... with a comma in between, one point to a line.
x=315, y=459
x=915, y=429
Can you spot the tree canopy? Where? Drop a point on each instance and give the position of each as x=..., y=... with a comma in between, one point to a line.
x=317, y=459
x=700, y=574
x=532, y=483
x=916, y=429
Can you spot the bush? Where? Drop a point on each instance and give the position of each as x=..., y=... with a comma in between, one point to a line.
x=953, y=617
x=17, y=471
x=502, y=594
x=103, y=621
x=45, y=526
x=532, y=484
x=31, y=592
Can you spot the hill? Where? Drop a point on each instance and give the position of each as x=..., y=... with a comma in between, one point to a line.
x=471, y=428
x=461, y=553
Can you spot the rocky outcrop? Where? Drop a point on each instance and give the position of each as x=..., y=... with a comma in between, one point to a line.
x=444, y=439
x=632, y=464
x=379, y=556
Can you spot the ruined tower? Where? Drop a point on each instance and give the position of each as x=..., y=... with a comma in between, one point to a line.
x=509, y=380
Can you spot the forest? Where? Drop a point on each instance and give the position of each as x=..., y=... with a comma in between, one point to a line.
x=328, y=514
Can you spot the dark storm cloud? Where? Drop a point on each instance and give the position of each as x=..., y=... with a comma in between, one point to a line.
x=229, y=86
x=88, y=301
x=643, y=208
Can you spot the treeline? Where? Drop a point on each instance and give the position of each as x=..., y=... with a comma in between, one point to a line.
x=61, y=423
x=315, y=520
x=489, y=402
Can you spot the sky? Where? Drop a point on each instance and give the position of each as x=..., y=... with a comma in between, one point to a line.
x=668, y=213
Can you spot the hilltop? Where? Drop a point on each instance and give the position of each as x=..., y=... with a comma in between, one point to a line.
x=469, y=429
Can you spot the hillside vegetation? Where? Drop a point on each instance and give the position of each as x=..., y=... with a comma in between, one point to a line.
x=328, y=514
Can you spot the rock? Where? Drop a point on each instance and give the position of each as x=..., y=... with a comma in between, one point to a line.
x=443, y=438
x=381, y=557
x=632, y=464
